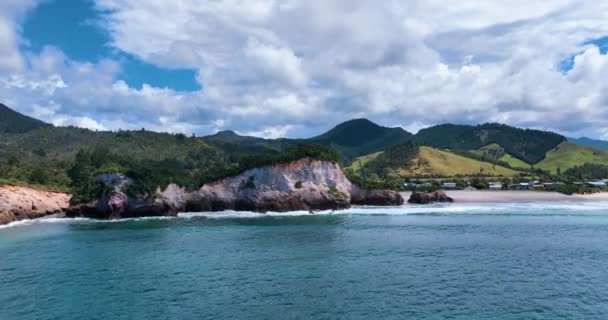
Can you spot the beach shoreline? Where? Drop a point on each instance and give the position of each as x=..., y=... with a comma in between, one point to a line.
x=513, y=196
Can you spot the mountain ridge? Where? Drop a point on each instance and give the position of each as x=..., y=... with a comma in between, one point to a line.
x=12, y=121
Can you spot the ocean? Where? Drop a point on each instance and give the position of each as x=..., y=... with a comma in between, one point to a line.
x=453, y=261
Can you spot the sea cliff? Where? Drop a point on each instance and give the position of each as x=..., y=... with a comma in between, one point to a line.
x=305, y=184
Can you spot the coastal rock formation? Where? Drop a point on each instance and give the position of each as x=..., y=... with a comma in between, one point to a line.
x=426, y=198
x=304, y=184
x=18, y=203
x=115, y=203
x=361, y=196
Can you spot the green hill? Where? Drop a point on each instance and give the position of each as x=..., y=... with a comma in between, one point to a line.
x=422, y=161
x=14, y=122
x=360, y=137
x=527, y=145
x=568, y=155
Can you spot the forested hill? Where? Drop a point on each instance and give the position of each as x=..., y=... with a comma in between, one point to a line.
x=360, y=136
x=525, y=144
x=14, y=122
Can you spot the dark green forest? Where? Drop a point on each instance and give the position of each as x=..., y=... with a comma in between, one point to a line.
x=527, y=145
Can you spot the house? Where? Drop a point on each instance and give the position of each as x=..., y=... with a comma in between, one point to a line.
x=495, y=186
x=596, y=184
x=521, y=186
x=552, y=184
x=449, y=185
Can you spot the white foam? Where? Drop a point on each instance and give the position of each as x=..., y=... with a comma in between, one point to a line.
x=536, y=208
x=45, y=220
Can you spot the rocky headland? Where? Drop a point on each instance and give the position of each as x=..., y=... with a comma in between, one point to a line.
x=18, y=203
x=305, y=184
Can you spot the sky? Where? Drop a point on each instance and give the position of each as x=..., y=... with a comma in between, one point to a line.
x=295, y=68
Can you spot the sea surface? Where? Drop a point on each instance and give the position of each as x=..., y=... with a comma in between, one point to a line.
x=458, y=261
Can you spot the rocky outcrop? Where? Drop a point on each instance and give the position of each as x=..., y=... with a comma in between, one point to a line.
x=426, y=198
x=305, y=184
x=361, y=196
x=115, y=203
x=18, y=203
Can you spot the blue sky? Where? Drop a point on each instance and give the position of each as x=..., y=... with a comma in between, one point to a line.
x=75, y=28
x=295, y=68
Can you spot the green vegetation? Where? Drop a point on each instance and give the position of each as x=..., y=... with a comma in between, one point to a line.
x=149, y=175
x=399, y=164
x=360, y=137
x=14, y=122
x=527, y=145
x=588, y=171
x=513, y=162
x=298, y=185
x=393, y=159
x=490, y=153
x=568, y=155
x=337, y=193
x=435, y=162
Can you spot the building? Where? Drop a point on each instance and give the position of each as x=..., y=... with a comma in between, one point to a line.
x=449, y=185
x=495, y=186
x=521, y=186
x=596, y=184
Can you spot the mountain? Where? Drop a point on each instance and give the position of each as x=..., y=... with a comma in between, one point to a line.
x=232, y=143
x=14, y=122
x=527, y=145
x=359, y=137
x=584, y=141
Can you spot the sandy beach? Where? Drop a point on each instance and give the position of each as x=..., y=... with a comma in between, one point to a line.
x=486, y=196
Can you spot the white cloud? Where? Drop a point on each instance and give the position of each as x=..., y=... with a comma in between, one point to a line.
x=271, y=67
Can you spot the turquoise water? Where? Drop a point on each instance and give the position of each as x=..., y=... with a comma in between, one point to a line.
x=504, y=261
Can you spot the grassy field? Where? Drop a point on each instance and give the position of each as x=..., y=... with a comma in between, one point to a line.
x=435, y=162
x=568, y=155
x=359, y=162
x=514, y=162
x=431, y=161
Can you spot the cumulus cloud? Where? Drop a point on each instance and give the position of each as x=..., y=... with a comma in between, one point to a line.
x=295, y=68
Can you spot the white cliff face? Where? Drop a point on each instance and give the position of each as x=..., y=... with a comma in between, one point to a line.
x=306, y=178
x=18, y=203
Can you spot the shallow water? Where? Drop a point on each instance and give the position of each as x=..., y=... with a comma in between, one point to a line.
x=461, y=261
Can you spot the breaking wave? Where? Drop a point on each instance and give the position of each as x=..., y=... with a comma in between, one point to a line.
x=498, y=209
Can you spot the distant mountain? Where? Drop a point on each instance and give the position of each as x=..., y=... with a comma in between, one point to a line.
x=584, y=141
x=233, y=143
x=527, y=145
x=359, y=137
x=15, y=122
x=230, y=136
